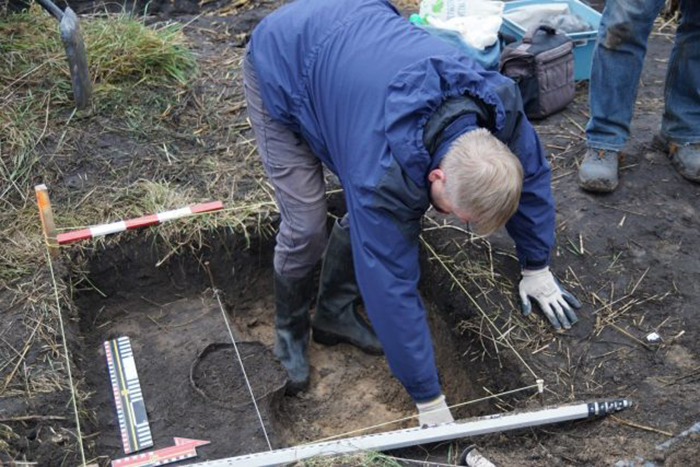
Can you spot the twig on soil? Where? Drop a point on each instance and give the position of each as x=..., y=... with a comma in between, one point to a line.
x=162, y=328
x=695, y=372
x=168, y=327
x=673, y=19
x=634, y=289
x=628, y=211
x=29, y=418
x=83, y=199
x=576, y=124
x=640, y=342
x=575, y=249
x=93, y=286
x=565, y=174
x=148, y=300
x=641, y=427
x=27, y=345
x=608, y=305
x=498, y=398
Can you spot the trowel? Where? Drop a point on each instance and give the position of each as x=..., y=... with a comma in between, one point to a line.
x=75, y=51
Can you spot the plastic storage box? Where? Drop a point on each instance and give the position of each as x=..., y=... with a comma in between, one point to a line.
x=584, y=42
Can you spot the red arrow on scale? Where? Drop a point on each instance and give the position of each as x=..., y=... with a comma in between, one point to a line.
x=184, y=449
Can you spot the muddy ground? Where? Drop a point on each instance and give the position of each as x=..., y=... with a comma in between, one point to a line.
x=631, y=257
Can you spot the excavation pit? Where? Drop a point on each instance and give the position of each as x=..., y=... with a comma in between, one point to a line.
x=189, y=373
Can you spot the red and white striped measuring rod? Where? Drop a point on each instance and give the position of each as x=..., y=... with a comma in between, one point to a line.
x=138, y=223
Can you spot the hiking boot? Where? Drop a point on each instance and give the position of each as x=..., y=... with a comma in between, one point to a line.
x=292, y=301
x=598, y=171
x=336, y=319
x=685, y=157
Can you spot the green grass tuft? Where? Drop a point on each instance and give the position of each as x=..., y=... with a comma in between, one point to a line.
x=125, y=57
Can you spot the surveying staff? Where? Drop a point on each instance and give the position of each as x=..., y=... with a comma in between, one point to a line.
x=404, y=120
x=617, y=64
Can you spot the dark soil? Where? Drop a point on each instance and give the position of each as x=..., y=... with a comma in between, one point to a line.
x=189, y=371
x=217, y=375
x=172, y=332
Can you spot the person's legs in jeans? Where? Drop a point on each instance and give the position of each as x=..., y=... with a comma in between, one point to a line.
x=297, y=176
x=617, y=64
x=680, y=128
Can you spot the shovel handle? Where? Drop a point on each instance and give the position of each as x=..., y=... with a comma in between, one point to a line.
x=51, y=8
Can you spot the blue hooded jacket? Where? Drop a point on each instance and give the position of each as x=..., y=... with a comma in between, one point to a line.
x=359, y=83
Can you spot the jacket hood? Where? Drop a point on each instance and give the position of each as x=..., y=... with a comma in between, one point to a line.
x=416, y=92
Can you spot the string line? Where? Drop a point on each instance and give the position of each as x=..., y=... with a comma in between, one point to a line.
x=245, y=376
x=65, y=348
x=411, y=417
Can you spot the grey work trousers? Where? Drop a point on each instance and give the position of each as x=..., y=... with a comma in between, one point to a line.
x=297, y=176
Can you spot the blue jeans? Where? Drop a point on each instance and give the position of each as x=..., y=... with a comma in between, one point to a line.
x=617, y=65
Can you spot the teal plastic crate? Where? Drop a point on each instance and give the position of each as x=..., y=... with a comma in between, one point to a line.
x=584, y=42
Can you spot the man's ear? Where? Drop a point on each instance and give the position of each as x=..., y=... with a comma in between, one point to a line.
x=435, y=175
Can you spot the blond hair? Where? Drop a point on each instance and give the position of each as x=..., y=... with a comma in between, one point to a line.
x=484, y=179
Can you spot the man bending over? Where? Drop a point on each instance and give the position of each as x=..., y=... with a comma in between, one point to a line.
x=405, y=121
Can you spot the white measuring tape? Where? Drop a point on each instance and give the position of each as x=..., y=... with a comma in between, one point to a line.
x=414, y=436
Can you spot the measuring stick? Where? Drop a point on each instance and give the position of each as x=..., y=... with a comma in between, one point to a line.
x=414, y=436
x=138, y=223
x=128, y=399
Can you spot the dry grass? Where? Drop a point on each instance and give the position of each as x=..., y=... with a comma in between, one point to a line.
x=35, y=81
x=473, y=271
x=160, y=135
x=474, y=268
x=144, y=79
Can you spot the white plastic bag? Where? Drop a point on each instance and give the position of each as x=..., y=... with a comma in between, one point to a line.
x=477, y=21
x=448, y=9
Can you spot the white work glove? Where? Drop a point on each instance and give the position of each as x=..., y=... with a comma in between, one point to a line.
x=434, y=412
x=554, y=300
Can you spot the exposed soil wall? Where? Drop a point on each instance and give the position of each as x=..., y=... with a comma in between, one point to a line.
x=190, y=377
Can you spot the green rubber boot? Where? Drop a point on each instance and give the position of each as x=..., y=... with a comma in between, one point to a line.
x=292, y=301
x=336, y=319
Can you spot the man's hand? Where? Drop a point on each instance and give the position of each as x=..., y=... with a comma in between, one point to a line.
x=434, y=412
x=554, y=300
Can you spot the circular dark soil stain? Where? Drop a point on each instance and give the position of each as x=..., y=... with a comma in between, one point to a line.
x=217, y=376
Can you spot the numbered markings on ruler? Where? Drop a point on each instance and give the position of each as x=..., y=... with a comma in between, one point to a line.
x=128, y=399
